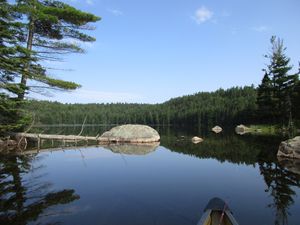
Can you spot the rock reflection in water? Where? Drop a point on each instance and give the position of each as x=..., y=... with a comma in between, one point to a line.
x=133, y=149
x=292, y=165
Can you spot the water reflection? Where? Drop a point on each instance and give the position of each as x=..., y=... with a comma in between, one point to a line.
x=280, y=183
x=281, y=176
x=227, y=147
x=133, y=149
x=26, y=198
x=156, y=187
x=292, y=165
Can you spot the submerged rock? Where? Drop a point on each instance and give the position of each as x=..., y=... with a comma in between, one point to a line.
x=242, y=129
x=133, y=149
x=130, y=134
x=196, y=140
x=217, y=129
x=290, y=148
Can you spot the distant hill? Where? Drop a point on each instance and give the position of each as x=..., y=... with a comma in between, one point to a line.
x=222, y=107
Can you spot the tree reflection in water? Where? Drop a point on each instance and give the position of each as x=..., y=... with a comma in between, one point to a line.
x=280, y=181
x=280, y=178
x=23, y=197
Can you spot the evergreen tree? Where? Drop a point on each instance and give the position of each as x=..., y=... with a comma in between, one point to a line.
x=282, y=82
x=12, y=117
x=12, y=54
x=32, y=31
x=296, y=99
x=12, y=58
x=264, y=99
x=53, y=28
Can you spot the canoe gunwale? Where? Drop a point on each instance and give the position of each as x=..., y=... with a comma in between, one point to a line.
x=206, y=217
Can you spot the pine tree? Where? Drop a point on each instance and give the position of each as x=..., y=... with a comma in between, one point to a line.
x=32, y=31
x=53, y=28
x=296, y=98
x=282, y=82
x=264, y=99
x=12, y=54
x=12, y=58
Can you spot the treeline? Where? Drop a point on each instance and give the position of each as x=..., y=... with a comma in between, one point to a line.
x=223, y=107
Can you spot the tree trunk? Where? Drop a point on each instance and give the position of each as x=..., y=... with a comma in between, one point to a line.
x=21, y=95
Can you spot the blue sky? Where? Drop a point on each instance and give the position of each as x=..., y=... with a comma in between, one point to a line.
x=148, y=51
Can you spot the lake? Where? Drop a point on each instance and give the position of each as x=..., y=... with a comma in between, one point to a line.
x=168, y=184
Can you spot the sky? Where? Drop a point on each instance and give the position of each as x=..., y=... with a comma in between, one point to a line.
x=148, y=51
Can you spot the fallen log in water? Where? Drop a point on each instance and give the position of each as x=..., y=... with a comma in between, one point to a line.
x=40, y=138
x=56, y=137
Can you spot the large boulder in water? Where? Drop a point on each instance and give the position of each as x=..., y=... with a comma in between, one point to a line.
x=290, y=148
x=130, y=134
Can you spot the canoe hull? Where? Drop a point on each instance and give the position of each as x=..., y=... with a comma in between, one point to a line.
x=217, y=213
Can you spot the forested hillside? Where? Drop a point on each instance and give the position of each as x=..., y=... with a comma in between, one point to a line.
x=223, y=107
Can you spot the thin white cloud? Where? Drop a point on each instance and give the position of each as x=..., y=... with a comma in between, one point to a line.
x=203, y=15
x=261, y=28
x=101, y=96
x=91, y=96
x=115, y=12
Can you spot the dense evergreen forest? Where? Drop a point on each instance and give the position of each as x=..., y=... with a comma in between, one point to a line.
x=224, y=107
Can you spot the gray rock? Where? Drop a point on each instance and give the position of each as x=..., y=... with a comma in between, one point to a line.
x=217, y=129
x=130, y=134
x=196, y=140
x=292, y=165
x=290, y=148
x=242, y=129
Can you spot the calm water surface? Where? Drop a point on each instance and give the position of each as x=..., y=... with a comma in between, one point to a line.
x=169, y=184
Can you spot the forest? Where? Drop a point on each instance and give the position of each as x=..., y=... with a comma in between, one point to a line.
x=225, y=107
x=203, y=110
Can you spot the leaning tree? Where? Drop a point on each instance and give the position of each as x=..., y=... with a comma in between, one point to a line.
x=32, y=31
x=53, y=28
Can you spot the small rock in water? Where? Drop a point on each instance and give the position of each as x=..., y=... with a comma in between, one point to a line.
x=196, y=140
x=217, y=129
x=242, y=129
